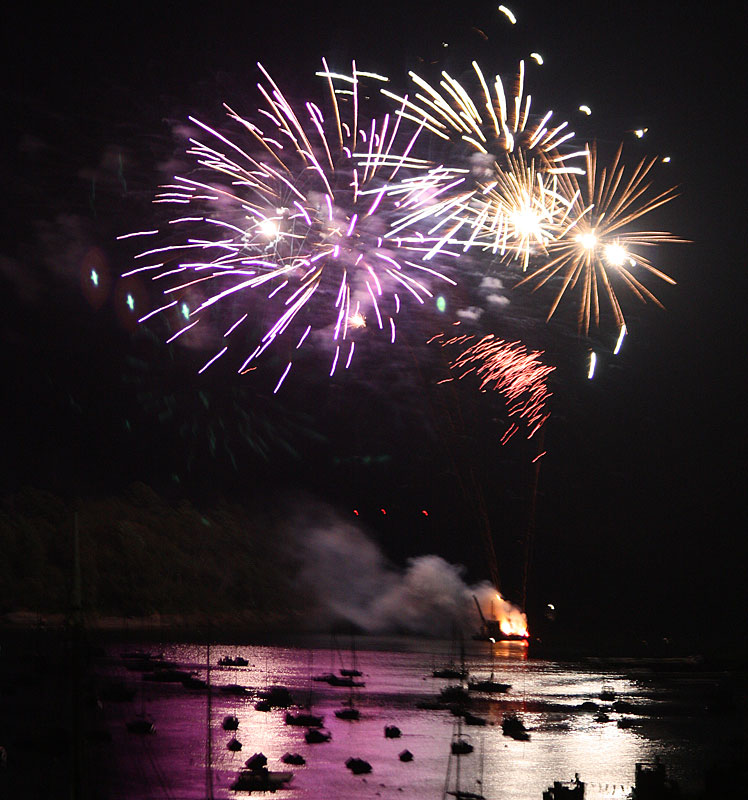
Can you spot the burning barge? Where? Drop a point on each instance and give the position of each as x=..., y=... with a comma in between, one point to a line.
x=501, y=630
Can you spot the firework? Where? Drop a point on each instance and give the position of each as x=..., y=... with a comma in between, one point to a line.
x=509, y=368
x=519, y=213
x=296, y=212
x=596, y=245
x=507, y=149
x=485, y=120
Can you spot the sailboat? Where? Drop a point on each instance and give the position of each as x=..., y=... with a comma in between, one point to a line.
x=209, y=735
x=489, y=684
x=457, y=748
x=256, y=777
x=346, y=677
x=349, y=711
x=457, y=693
x=451, y=670
x=306, y=719
x=353, y=671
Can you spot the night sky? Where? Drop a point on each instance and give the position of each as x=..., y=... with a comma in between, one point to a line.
x=640, y=504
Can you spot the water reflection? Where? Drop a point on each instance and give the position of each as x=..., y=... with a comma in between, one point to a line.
x=566, y=736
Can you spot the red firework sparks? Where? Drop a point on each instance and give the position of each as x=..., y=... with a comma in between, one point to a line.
x=509, y=368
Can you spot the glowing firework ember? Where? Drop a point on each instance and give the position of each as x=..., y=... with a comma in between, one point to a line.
x=509, y=368
x=298, y=213
x=597, y=245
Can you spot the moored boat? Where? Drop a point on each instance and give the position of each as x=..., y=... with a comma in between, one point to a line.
x=305, y=720
x=236, y=661
x=513, y=726
x=489, y=685
x=349, y=712
x=338, y=680
x=317, y=736
x=358, y=766
x=459, y=747
x=258, y=778
x=141, y=725
x=608, y=692
x=565, y=790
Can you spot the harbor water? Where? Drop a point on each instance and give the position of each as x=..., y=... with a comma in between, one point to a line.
x=675, y=710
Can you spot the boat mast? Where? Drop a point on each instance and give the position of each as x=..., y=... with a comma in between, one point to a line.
x=456, y=737
x=76, y=619
x=530, y=534
x=209, y=737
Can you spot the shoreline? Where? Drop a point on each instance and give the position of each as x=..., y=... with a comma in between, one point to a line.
x=248, y=627
x=167, y=627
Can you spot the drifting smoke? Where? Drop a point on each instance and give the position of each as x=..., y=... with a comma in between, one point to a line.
x=352, y=581
x=470, y=314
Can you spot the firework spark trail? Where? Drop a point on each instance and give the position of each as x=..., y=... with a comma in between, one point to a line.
x=324, y=220
x=509, y=368
x=298, y=208
x=487, y=123
x=506, y=147
x=520, y=212
x=596, y=245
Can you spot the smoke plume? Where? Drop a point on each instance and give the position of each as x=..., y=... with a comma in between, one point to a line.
x=352, y=581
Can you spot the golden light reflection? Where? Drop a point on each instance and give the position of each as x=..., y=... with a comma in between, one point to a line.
x=511, y=650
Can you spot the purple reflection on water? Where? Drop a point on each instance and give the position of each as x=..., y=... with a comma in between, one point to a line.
x=565, y=738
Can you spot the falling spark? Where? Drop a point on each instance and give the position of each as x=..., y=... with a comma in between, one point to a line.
x=585, y=110
x=137, y=233
x=516, y=373
x=621, y=335
x=215, y=357
x=504, y=10
x=593, y=362
x=282, y=378
x=485, y=118
x=537, y=57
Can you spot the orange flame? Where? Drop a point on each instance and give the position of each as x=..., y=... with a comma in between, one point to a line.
x=512, y=621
